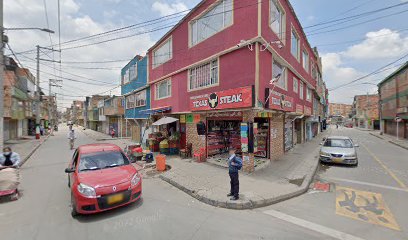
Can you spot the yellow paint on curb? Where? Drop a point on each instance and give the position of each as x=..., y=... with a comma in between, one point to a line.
x=386, y=168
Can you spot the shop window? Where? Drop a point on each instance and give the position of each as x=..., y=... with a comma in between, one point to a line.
x=223, y=135
x=212, y=22
x=163, y=89
x=204, y=76
x=163, y=53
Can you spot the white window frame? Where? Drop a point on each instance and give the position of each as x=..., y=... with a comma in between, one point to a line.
x=156, y=86
x=301, y=89
x=193, y=29
x=130, y=99
x=295, y=85
x=305, y=60
x=283, y=76
x=162, y=45
x=204, y=77
x=125, y=77
x=295, y=35
x=275, y=4
x=140, y=96
x=308, y=94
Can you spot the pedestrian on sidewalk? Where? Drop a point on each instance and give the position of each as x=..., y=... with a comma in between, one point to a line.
x=8, y=158
x=234, y=165
x=113, y=132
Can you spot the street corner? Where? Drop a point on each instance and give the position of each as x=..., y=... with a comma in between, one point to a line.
x=365, y=206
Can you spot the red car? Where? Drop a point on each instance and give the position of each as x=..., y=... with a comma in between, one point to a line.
x=101, y=178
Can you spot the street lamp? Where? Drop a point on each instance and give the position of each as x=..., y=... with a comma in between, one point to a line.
x=31, y=28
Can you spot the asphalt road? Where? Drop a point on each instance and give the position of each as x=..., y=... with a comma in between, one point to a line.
x=166, y=213
x=380, y=208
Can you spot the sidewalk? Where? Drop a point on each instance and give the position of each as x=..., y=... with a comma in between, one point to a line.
x=25, y=146
x=280, y=180
x=391, y=139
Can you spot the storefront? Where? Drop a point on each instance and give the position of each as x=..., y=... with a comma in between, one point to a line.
x=262, y=135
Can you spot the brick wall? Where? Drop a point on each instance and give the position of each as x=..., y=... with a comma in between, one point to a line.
x=248, y=163
x=193, y=137
x=276, y=136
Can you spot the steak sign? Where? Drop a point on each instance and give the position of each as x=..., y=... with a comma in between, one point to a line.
x=228, y=99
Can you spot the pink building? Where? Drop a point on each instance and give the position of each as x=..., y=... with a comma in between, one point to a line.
x=216, y=67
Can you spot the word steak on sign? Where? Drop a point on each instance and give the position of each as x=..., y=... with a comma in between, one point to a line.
x=232, y=98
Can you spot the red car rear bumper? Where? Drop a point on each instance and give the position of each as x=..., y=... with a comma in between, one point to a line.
x=86, y=205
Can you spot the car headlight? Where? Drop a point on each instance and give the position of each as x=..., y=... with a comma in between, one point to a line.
x=135, y=180
x=350, y=155
x=324, y=154
x=86, y=190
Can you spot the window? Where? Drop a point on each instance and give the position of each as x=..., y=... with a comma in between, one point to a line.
x=301, y=90
x=163, y=89
x=130, y=101
x=278, y=71
x=295, y=85
x=305, y=61
x=140, y=98
x=314, y=72
x=277, y=18
x=212, y=22
x=308, y=94
x=163, y=53
x=125, y=77
x=133, y=72
x=204, y=76
x=294, y=48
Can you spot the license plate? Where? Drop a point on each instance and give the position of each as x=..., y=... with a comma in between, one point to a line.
x=115, y=198
x=337, y=160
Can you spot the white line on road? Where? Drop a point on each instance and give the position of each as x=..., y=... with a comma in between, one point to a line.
x=312, y=226
x=366, y=183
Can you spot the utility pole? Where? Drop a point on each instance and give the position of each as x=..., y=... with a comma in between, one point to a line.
x=38, y=101
x=52, y=83
x=1, y=76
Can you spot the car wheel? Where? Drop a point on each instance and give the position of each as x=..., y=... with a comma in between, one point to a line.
x=74, y=212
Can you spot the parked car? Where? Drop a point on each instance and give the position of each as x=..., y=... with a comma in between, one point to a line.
x=338, y=149
x=101, y=178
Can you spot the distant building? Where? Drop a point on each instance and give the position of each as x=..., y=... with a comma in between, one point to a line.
x=393, y=92
x=340, y=109
x=365, y=111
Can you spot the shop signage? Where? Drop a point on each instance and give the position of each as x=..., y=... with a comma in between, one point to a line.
x=308, y=111
x=280, y=101
x=232, y=98
x=189, y=118
x=196, y=118
x=225, y=114
x=244, y=137
x=299, y=108
x=255, y=139
x=182, y=118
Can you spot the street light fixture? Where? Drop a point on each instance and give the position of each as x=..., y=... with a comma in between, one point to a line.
x=31, y=28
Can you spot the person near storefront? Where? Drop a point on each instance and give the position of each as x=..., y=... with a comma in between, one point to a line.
x=234, y=165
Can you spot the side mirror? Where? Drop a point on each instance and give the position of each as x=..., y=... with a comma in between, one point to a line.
x=324, y=139
x=320, y=143
x=69, y=170
x=356, y=145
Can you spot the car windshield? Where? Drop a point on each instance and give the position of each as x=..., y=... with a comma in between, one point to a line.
x=101, y=160
x=341, y=143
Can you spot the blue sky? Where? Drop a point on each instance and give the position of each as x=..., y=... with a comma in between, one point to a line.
x=373, y=45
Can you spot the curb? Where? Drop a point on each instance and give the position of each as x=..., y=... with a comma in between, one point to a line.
x=33, y=151
x=390, y=141
x=375, y=135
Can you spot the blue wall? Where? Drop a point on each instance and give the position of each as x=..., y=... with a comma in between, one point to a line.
x=138, y=82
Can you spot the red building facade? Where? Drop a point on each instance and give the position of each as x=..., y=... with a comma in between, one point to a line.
x=230, y=62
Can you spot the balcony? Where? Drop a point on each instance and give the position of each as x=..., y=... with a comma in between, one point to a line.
x=114, y=111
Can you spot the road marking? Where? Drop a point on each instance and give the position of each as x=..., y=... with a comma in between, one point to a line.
x=365, y=183
x=312, y=226
x=386, y=168
x=365, y=206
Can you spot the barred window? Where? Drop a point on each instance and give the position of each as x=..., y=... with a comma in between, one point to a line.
x=204, y=76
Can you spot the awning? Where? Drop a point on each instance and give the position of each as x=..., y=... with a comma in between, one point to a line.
x=165, y=120
x=156, y=110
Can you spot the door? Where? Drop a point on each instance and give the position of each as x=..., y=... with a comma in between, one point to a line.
x=136, y=133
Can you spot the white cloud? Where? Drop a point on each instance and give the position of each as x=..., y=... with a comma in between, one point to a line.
x=384, y=43
x=75, y=24
x=165, y=9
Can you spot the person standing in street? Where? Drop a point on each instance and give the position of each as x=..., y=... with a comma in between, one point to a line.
x=234, y=165
x=113, y=132
x=71, y=137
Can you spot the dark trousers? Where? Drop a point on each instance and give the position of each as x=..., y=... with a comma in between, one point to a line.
x=234, y=184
